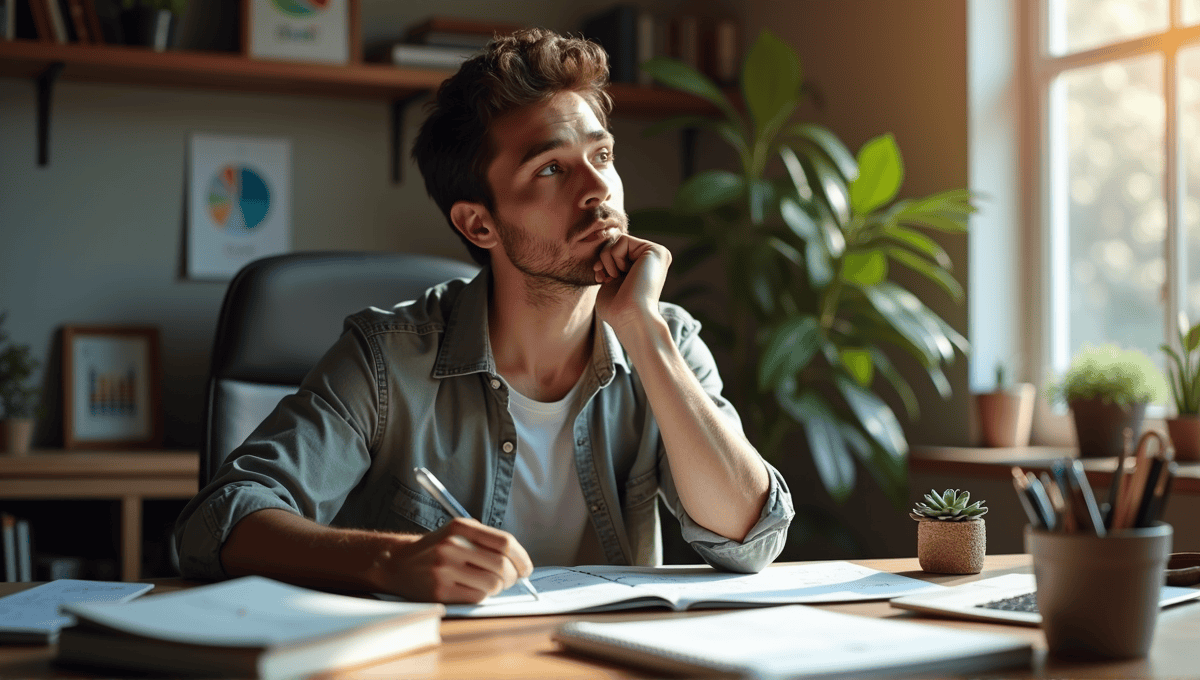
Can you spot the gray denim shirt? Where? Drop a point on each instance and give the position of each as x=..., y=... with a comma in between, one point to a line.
x=417, y=386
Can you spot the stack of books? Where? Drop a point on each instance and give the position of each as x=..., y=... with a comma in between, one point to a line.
x=18, y=561
x=84, y=22
x=440, y=43
x=632, y=35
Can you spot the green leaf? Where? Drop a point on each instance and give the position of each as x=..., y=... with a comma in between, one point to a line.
x=677, y=74
x=931, y=344
x=708, y=190
x=858, y=364
x=786, y=250
x=864, y=268
x=664, y=222
x=919, y=242
x=1193, y=338
x=876, y=418
x=829, y=184
x=940, y=221
x=929, y=270
x=830, y=145
x=907, y=397
x=771, y=79
x=890, y=472
x=880, y=174
x=795, y=171
x=790, y=346
x=820, y=267
x=798, y=220
x=826, y=445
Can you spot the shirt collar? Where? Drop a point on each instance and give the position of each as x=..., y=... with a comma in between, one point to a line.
x=466, y=348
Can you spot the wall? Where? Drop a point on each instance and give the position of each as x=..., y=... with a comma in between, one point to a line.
x=96, y=236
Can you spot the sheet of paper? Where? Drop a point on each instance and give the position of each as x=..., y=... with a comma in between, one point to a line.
x=572, y=589
x=35, y=611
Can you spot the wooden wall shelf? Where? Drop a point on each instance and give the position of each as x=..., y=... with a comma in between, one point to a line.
x=46, y=63
x=126, y=476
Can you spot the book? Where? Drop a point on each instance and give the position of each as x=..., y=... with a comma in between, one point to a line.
x=616, y=30
x=8, y=19
x=609, y=588
x=8, y=525
x=247, y=627
x=79, y=21
x=92, y=19
x=421, y=56
x=57, y=24
x=24, y=554
x=32, y=617
x=1003, y=599
x=41, y=19
x=795, y=641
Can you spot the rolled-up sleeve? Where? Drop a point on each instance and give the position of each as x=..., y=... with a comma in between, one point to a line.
x=305, y=458
x=766, y=539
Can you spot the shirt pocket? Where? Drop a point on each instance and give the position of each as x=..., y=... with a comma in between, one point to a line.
x=641, y=490
x=416, y=508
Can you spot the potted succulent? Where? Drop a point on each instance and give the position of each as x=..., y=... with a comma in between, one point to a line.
x=1107, y=389
x=18, y=398
x=1006, y=414
x=1184, y=381
x=951, y=536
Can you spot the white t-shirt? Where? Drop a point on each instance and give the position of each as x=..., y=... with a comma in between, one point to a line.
x=546, y=511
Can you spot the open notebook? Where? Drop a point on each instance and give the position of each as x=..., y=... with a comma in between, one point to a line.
x=1004, y=599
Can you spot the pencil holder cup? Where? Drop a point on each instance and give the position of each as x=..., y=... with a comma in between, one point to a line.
x=1098, y=597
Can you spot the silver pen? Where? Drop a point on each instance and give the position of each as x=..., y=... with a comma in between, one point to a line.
x=431, y=484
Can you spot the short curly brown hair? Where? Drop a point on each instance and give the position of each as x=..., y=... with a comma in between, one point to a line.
x=452, y=148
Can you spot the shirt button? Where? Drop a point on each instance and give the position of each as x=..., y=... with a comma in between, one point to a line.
x=595, y=507
x=495, y=384
x=507, y=447
x=581, y=441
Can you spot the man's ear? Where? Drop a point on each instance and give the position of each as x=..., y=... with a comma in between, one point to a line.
x=474, y=221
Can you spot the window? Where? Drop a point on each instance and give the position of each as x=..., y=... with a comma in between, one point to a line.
x=1117, y=91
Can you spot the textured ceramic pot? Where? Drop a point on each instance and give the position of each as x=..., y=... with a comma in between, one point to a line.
x=1185, y=437
x=18, y=435
x=1100, y=427
x=1006, y=416
x=951, y=547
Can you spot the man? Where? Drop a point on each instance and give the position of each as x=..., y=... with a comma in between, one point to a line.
x=553, y=395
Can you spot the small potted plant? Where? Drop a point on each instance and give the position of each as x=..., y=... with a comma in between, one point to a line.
x=1006, y=414
x=951, y=537
x=1107, y=389
x=18, y=397
x=1183, y=377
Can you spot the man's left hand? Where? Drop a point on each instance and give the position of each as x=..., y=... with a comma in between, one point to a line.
x=632, y=272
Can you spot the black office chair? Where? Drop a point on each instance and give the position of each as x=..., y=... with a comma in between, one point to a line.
x=280, y=315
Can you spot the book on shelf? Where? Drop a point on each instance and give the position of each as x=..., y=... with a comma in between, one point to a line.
x=794, y=641
x=79, y=22
x=421, y=56
x=32, y=616
x=618, y=30
x=8, y=525
x=8, y=19
x=39, y=13
x=247, y=627
x=92, y=18
x=456, y=32
x=58, y=22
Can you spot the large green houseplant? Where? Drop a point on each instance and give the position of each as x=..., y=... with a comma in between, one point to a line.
x=808, y=234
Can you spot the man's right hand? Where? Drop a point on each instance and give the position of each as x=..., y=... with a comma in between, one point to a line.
x=463, y=562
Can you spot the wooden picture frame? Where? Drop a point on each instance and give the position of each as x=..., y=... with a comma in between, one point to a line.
x=112, y=387
x=320, y=31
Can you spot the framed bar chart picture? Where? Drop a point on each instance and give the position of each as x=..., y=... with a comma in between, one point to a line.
x=111, y=387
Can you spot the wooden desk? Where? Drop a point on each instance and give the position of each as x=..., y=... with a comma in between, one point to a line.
x=521, y=647
x=127, y=477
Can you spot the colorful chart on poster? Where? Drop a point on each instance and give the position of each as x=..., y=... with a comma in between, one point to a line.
x=300, y=8
x=238, y=199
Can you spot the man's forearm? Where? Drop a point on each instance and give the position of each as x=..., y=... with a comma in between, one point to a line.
x=281, y=545
x=720, y=477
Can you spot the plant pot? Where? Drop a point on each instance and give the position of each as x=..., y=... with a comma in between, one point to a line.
x=1185, y=437
x=150, y=27
x=1100, y=426
x=945, y=547
x=18, y=435
x=1006, y=416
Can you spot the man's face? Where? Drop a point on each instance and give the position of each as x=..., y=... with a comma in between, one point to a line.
x=559, y=199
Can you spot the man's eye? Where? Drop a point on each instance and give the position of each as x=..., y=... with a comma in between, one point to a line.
x=549, y=170
x=605, y=156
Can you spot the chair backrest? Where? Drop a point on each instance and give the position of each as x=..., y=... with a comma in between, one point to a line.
x=280, y=315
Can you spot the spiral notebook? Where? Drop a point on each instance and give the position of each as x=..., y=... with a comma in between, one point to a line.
x=794, y=641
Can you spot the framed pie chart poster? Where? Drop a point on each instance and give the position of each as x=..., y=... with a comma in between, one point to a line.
x=239, y=203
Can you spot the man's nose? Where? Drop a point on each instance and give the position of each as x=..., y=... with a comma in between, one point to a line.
x=596, y=189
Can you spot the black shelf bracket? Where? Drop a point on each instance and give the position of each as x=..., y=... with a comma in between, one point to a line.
x=45, y=92
x=687, y=151
x=399, y=107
